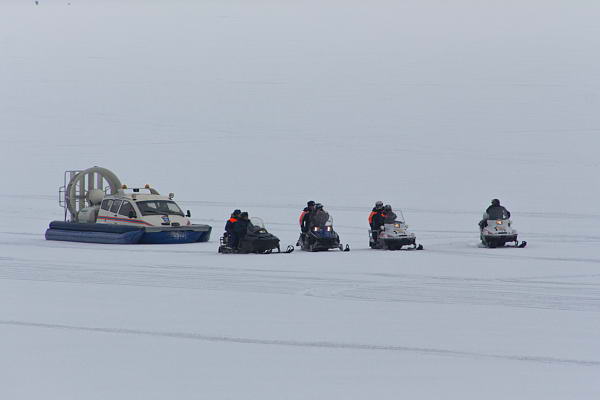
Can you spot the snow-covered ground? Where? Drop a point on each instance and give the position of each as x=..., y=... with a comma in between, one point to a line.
x=432, y=107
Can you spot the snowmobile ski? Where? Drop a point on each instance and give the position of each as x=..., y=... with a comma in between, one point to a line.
x=342, y=248
x=288, y=250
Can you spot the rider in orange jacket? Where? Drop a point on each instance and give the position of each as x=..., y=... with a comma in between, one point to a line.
x=376, y=210
x=229, y=225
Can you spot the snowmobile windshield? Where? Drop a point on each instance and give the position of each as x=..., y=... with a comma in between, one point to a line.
x=256, y=226
x=159, y=207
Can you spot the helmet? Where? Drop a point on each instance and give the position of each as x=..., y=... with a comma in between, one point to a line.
x=310, y=203
x=495, y=202
x=236, y=213
x=319, y=206
x=379, y=204
x=244, y=215
x=387, y=207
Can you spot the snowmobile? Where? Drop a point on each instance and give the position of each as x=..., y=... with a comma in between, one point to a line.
x=393, y=236
x=257, y=240
x=321, y=237
x=497, y=232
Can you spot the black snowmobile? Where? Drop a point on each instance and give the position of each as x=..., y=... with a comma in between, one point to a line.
x=257, y=240
x=321, y=236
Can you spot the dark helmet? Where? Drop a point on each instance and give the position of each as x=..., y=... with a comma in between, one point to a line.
x=236, y=213
x=244, y=215
x=495, y=202
x=379, y=204
x=387, y=207
x=319, y=206
x=310, y=203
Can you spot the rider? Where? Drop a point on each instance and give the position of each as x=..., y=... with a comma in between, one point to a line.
x=376, y=219
x=389, y=216
x=385, y=216
x=240, y=228
x=231, y=222
x=376, y=210
x=305, y=216
x=318, y=217
x=495, y=211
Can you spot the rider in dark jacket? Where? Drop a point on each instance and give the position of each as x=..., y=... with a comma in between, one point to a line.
x=495, y=211
x=389, y=216
x=378, y=221
x=385, y=216
x=240, y=228
x=373, y=219
x=229, y=235
x=319, y=217
x=232, y=220
x=377, y=209
x=305, y=216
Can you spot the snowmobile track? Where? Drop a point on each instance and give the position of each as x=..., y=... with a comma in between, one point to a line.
x=309, y=344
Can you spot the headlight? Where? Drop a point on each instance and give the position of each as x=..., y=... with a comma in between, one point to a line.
x=316, y=229
x=397, y=225
x=499, y=222
x=328, y=229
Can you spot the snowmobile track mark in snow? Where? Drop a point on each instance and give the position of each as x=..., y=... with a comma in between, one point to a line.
x=313, y=344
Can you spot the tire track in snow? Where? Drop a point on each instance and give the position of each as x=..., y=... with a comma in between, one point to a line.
x=306, y=344
x=504, y=253
x=364, y=286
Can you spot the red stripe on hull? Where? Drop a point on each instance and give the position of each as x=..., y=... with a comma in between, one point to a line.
x=126, y=220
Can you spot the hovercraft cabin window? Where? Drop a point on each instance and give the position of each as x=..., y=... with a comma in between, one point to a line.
x=106, y=204
x=126, y=209
x=115, y=206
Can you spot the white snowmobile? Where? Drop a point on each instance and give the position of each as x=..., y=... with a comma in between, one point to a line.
x=497, y=232
x=394, y=235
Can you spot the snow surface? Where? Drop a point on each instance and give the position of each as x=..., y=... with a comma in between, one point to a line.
x=435, y=107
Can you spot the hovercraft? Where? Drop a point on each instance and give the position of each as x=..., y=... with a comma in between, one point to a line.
x=99, y=209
